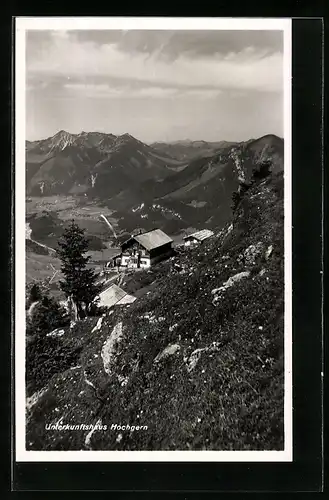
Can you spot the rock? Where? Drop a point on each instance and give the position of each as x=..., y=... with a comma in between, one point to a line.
x=98, y=325
x=268, y=252
x=168, y=351
x=32, y=400
x=110, y=345
x=56, y=333
x=88, y=382
x=237, y=277
x=123, y=381
x=193, y=359
x=31, y=309
x=230, y=282
x=252, y=252
x=195, y=356
x=229, y=229
x=90, y=433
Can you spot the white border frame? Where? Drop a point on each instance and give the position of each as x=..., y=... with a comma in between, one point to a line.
x=129, y=23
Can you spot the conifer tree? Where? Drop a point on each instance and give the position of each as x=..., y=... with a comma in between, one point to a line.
x=79, y=284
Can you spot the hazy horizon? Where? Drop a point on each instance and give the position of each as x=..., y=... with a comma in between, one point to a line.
x=158, y=86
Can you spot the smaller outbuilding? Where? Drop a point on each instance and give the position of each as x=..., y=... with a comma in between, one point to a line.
x=115, y=296
x=198, y=237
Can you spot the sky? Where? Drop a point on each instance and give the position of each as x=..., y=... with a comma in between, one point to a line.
x=155, y=85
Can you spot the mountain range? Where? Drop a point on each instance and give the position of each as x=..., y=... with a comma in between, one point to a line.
x=176, y=186
x=186, y=150
x=93, y=162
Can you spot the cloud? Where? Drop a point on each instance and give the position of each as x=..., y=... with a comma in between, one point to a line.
x=65, y=54
x=104, y=90
x=191, y=43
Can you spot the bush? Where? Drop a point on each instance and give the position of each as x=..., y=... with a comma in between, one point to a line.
x=238, y=195
x=47, y=316
x=46, y=356
x=35, y=291
x=263, y=170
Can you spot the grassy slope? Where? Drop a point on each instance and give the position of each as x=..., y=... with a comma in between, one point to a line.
x=232, y=399
x=39, y=267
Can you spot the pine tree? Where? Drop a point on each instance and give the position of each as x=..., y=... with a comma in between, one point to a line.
x=79, y=284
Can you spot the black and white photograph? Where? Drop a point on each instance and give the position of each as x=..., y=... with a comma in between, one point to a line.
x=153, y=239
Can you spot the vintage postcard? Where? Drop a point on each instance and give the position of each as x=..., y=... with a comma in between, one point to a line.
x=153, y=239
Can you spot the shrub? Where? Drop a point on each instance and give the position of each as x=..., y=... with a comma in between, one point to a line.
x=47, y=316
x=238, y=195
x=35, y=291
x=263, y=170
x=46, y=356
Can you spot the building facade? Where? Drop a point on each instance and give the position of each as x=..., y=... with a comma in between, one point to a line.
x=144, y=250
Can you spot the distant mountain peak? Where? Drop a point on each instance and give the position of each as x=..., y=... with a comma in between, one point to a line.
x=62, y=139
x=63, y=133
x=126, y=137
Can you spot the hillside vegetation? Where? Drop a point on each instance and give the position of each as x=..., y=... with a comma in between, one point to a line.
x=199, y=359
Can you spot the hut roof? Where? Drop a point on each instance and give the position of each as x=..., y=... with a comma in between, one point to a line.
x=127, y=299
x=152, y=239
x=113, y=295
x=200, y=235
